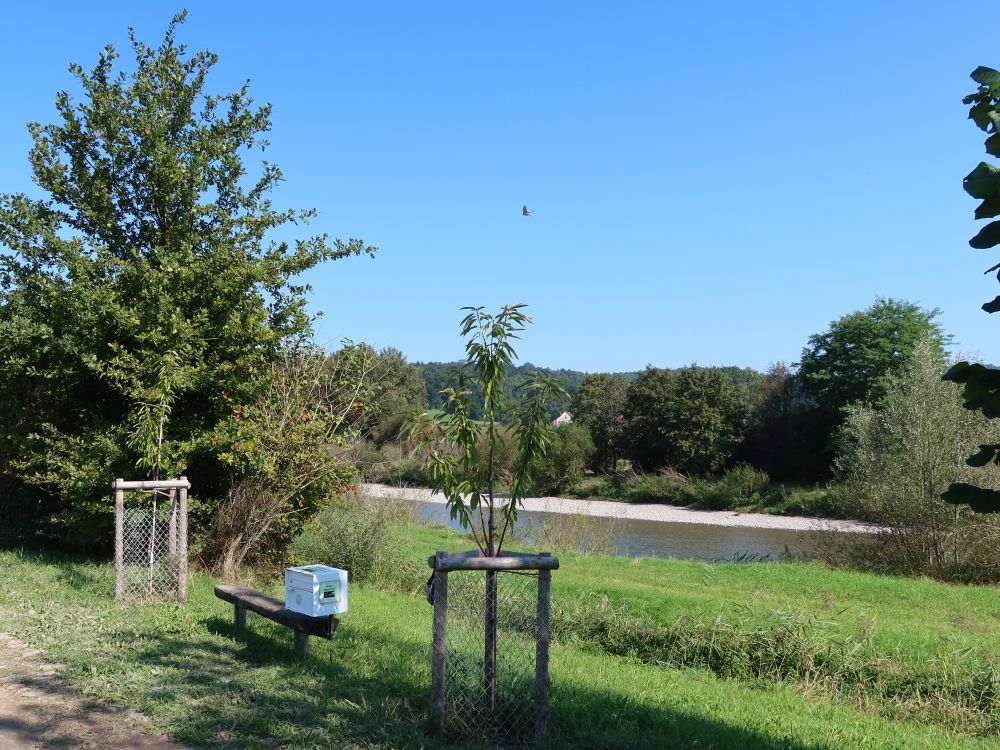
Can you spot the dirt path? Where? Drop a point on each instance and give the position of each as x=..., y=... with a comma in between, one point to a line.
x=39, y=712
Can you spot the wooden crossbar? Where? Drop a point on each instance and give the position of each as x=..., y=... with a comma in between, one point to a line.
x=244, y=598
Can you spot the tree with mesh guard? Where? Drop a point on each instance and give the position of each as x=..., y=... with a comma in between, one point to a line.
x=465, y=453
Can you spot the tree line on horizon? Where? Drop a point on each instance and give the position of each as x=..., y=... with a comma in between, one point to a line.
x=701, y=420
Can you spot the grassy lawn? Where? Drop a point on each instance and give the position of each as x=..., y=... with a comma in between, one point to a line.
x=200, y=683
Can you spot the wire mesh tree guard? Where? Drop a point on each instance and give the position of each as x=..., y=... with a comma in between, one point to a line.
x=151, y=561
x=490, y=657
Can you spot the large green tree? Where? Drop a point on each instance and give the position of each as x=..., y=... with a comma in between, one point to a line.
x=854, y=359
x=691, y=419
x=783, y=437
x=142, y=289
x=599, y=406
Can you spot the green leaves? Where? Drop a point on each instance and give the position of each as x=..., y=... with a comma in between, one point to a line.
x=982, y=387
x=986, y=76
x=988, y=236
x=979, y=499
x=154, y=235
x=853, y=359
x=982, y=384
x=691, y=419
x=986, y=455
x=465, y=458
x=983, y=181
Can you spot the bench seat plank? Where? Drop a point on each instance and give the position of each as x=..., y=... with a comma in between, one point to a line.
x=243, y=597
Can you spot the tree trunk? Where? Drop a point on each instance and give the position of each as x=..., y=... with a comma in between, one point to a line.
x=490, y=660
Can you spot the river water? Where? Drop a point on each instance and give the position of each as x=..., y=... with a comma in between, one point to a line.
x=689, y=541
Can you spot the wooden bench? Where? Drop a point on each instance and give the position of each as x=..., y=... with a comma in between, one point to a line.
x=243, y=598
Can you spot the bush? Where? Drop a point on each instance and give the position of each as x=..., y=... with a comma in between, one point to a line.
x=565, y=460
x=354, y=534
x=391, y=464
x=663, y=487
x=744, y=482
x=896, y=460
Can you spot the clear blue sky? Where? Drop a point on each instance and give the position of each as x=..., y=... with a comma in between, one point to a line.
x=711, y=183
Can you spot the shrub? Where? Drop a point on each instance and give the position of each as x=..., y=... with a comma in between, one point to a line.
x=391, y=464
x=897, y=458
x=565, y=459
x=354, y=534
x=744, y=482
x=663, y=487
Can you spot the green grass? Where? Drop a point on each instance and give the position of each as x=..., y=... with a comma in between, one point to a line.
x=185, y=668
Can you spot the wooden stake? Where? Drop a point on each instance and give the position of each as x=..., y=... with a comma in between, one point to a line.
x=490, y=641
x=439, y=655
x=542, y=632
x=119, y=540
x=182, y=542
x=172, y=528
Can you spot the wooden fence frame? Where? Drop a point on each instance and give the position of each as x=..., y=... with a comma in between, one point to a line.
x=442, y=563
x=178, y=532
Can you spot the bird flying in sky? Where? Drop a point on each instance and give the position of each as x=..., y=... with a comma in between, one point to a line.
x=525, y=211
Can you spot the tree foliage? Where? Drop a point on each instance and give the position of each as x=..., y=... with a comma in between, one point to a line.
x=856, y=357
x=569, y=452
x=599, y=406
x=982, y=384
x=287, y=453
x=691, y=419
x=394, y=391
x=438, y=376
x=465, y=462
x=896, y=457
x=143, y=293
x=784, y=437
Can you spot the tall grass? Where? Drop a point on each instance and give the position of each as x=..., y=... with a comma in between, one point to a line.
x=572, y=532
x=957, y=688
x=356, y=534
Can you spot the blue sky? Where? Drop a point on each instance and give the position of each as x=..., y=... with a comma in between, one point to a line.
x=710, y=182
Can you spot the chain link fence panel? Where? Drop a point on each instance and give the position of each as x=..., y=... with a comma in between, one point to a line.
x=507, y=712
x=151, y=545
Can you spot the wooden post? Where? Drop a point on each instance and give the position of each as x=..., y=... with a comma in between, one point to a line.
x=490, y=641
x=119, y=540
x=239, y=617
x=182, y=543
x=439, y=655
x=542, y=633
x=301, y=643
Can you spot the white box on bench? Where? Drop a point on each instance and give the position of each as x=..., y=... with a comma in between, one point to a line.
x=316, y=590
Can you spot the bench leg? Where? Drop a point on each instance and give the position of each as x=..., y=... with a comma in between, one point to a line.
x=239, y=617
x=301, y=643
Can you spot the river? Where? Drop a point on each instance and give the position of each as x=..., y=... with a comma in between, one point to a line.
x=721, y=537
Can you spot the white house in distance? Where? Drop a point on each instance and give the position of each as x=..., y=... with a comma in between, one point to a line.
x=564, y=418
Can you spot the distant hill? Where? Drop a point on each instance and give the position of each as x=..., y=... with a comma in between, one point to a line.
x=438, y=375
